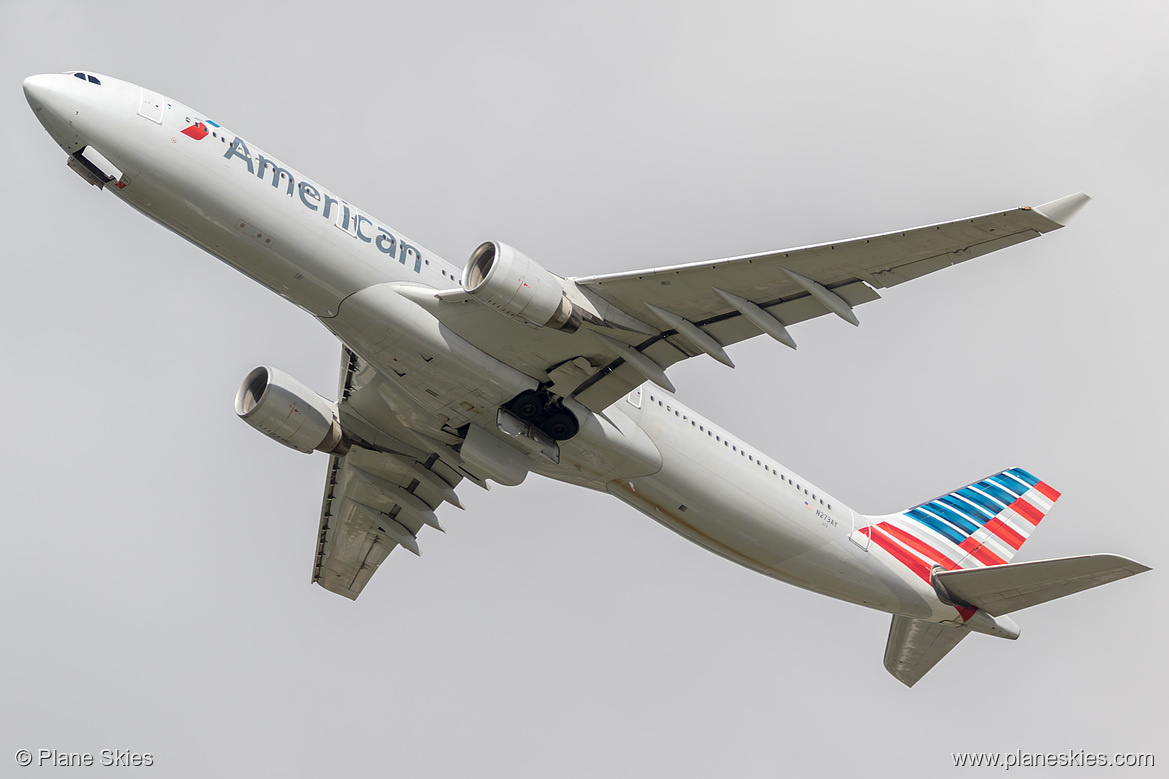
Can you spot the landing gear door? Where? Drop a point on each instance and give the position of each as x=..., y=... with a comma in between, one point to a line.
x=150, y=106
x=859, y=535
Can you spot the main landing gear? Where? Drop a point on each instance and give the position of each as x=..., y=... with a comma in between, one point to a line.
x=545, y=412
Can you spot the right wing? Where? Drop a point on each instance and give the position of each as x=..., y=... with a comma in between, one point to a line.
x=375, y=498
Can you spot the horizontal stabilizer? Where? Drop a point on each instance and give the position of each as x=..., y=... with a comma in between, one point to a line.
x=916, y=645
x=1002, y=589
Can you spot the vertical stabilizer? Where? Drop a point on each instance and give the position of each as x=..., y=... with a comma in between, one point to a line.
x=916, y=645
x=984, y=523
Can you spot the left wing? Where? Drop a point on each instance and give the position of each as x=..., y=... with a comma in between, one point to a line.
x=728, y=301
x=375, y=498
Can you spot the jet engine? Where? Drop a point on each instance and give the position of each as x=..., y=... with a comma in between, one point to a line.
x=285, y=410
x=502, y=278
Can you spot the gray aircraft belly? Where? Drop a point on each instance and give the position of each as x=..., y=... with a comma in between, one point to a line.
x=731, y=500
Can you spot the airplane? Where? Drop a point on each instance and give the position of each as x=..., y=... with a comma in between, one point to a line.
x=503, y=368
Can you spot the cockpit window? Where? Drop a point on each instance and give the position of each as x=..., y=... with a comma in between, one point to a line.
x=93, y=80
x=80, y=76
x=87, y=77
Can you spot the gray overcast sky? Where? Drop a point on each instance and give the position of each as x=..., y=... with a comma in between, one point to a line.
x=159, y=550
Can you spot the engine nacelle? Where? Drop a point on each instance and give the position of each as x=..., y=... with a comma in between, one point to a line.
x=285, y=410
x=502, y=278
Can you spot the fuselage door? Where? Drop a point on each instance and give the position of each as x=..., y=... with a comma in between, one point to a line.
x=150, y=106
x=859, y=535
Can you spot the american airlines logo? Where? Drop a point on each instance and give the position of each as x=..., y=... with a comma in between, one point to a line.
x=198, y=131
x=318, y=200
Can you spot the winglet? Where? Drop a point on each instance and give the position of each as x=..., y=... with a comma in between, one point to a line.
x=1062, y=211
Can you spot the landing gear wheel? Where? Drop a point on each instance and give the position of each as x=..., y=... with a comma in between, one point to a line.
x=527, y=406
x=561, y=426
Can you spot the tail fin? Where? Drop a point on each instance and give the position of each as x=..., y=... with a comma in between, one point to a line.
x=984, y=523
x=961, y=543
x=917, y=645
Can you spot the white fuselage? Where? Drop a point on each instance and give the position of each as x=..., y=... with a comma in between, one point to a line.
x=349, y=270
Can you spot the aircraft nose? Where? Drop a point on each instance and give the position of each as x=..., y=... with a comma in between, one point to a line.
x=37, y=90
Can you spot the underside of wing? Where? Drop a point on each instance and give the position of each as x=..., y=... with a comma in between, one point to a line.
x=880, y=261
x=378, y=496
x=735, y=299
x=373, y=503
x=637, y=324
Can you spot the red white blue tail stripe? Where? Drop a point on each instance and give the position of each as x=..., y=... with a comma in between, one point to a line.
x=981, y=524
